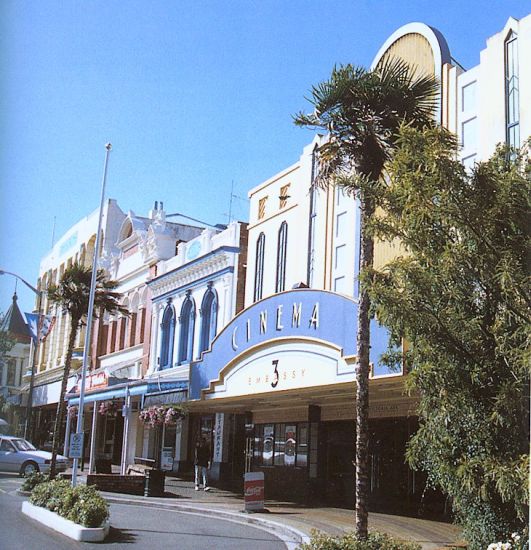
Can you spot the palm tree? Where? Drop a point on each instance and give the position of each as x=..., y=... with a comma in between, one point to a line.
x=72, y=295
x=362, y=112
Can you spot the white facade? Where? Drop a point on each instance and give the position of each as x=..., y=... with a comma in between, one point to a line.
x=494, y=96
x=77, y=245
x=122, y=341
x=204, y=266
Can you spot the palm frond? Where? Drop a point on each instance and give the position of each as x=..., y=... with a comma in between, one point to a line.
x=72, y=292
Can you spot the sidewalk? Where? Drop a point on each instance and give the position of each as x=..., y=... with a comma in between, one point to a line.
x=180, y=495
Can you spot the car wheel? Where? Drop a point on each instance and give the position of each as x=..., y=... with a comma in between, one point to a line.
x=28, y=468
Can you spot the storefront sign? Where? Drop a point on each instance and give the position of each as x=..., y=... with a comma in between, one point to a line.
x=167, y=398
x=98, y=380
x=292, y=317
x=218, y=437
x=323, y=319
x=284, y=368
x=253, y=490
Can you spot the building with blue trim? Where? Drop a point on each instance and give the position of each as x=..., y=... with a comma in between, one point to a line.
x=278, y=383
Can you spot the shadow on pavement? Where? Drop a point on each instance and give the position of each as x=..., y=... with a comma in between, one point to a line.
x=122, y=536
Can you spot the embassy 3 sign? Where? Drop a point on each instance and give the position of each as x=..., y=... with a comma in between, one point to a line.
x=300, y=338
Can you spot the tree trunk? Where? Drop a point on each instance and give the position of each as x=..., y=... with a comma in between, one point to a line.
x=362, y=374
x=61, y=405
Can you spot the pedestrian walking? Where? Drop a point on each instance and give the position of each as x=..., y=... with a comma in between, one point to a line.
x=202, y=463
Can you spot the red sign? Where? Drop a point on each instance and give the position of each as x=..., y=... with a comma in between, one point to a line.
x=253, y=491
x=99, y=380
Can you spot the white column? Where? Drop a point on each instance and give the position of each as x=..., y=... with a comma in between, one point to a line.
x=93, y=438
x=155, y=338
x=125, y=440
x=67, y=434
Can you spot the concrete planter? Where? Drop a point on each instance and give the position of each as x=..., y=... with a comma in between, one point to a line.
x=65, y=526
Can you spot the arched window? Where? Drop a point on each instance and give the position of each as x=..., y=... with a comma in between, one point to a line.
x=259, y=268
x=186, y=335
x=282, y=246
x=167, y=328
x=209, y=318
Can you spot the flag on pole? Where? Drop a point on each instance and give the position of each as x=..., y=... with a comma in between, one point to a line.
x=45, y=326
x=32, y=320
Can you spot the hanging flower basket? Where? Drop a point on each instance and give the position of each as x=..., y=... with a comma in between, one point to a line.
x=109, y=408
x=72, y=411
x=157, y=415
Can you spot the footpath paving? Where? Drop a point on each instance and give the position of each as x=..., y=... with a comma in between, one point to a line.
x=292, y=522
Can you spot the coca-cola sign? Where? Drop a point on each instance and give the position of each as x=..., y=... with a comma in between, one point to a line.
x=253, y=491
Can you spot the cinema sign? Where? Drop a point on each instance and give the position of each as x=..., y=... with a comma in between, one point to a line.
x=307, y=332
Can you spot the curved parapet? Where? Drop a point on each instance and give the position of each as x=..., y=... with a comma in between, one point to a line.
x=421, y=46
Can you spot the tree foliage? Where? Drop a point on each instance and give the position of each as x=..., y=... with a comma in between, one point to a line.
x=71, y=294
x=460, y=294
x=362, y=111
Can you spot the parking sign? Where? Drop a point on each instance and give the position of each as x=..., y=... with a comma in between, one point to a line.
x=76, y=446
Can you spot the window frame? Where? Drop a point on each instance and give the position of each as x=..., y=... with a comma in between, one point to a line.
x=167, y=341
x=209, y=318
x=282, y=246
x=186, y=331
x=259, y=267
x=512, y=90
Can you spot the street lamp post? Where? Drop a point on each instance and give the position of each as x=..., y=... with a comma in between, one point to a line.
x=92, y=295
x=33, y=358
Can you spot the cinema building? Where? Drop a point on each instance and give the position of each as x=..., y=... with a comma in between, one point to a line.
x=278, y=383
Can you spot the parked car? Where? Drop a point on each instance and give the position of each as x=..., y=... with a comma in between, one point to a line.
x=19, y=455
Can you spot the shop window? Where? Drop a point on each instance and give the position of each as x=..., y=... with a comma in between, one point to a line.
x=186, y=336
x=281, y=445
x=281, y=257
x=167, y=328
x=302, y=446
x=209, y=313
x=268, y=445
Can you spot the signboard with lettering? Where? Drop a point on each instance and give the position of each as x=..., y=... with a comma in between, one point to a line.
x=253, y=491
x=218, y=437
x=166, y=459
x=305, y=315
x=76, y=445
x=98, y=380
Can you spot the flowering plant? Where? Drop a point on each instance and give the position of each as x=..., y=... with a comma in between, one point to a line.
x=516, y=543
x=109, y=408
x=72, y=411
x=157, y=415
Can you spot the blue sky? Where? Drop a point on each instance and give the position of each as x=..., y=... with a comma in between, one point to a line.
x=193, y=95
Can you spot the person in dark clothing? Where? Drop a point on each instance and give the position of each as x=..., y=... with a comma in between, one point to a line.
x=202, y=463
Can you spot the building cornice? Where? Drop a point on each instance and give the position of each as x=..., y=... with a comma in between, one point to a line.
x=208, y=265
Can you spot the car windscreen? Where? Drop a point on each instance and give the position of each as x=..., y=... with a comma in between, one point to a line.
x=23, y=445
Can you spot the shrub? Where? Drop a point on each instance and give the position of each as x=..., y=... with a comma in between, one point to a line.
x=49, y=495
x=32, y=480
x=375, y=541
x=80, y=504
x=87, y=507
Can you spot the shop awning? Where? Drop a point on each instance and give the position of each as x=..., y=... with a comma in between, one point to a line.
x=166, y=393
x=113, y=392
